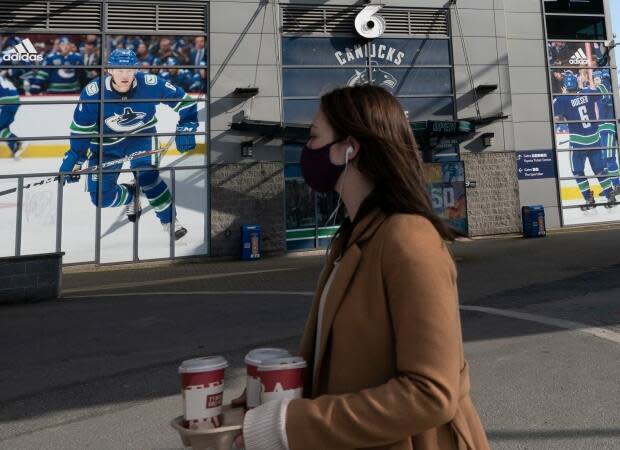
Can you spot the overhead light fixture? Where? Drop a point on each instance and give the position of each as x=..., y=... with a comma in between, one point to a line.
x=488, y=139
x=247, y=149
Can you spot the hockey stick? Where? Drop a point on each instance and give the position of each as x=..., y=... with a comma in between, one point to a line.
x=134, y=155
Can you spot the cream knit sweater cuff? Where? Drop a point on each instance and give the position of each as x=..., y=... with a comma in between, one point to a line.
x=264, y=427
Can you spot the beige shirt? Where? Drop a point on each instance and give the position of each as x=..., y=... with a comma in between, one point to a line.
x=321, y=309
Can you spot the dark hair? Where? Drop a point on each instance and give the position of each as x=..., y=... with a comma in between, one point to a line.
x=388, y=154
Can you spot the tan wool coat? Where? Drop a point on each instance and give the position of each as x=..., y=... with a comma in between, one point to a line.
x=390, y=372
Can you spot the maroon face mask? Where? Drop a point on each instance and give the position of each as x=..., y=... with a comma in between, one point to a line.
x=317, y=169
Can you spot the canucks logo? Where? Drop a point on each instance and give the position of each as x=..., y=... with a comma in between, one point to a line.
x=379, y=78
x=129, y=120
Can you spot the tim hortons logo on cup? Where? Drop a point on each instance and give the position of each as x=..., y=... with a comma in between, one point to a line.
x=214, y=400
x=201, y=402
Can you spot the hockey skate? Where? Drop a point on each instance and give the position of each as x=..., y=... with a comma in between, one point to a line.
x=611, y=198
x=179, y=230
x=19, y=149
x=590, y=202
x=133, y=209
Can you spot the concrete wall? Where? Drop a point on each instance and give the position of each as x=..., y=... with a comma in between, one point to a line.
x=247, y=194
x=505, y=46
x=30, y=278
x=493, y=205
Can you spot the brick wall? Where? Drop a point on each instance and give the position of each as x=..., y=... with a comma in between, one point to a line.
x=493, y=205
x=30, y=278
x=249, y=193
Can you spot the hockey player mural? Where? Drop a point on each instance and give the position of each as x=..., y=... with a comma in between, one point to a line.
x=9, y=104
x=123, y=118
x=63, y=79
x=602, y=83
x=582, y=110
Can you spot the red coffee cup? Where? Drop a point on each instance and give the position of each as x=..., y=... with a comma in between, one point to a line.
x=252, y=361
x=203, y=390
x=281, y=378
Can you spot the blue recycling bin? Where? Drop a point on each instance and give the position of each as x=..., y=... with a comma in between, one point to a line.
x=533, y=221
x=250, y=242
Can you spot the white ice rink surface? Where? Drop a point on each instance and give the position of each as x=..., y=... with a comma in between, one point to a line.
x=573, y=215
x=39, y=216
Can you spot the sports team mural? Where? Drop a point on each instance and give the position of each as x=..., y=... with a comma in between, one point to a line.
x=585, y=132
x=51, y=88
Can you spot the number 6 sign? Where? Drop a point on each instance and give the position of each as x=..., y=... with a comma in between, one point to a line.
x=368, y=23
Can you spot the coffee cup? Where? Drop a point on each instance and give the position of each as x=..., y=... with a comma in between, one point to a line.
x=281, y=378
x=202, y=382
x=252, y=361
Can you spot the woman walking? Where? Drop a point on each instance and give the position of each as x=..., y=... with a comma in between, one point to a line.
x=383, y=340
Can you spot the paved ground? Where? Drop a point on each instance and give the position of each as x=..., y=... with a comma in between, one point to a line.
x=97, y=369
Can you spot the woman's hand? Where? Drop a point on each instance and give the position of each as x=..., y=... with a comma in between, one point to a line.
x=239, y=442
x=240, y=401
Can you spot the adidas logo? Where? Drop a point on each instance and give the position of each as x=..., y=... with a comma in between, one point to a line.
x=24, y=51
x=579, y=58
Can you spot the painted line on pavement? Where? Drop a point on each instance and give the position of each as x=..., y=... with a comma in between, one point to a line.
x=173, y=280
x=136, y=294
x=602, y=333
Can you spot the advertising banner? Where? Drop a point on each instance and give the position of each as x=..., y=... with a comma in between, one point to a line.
x=50, y=110
x=446, y=185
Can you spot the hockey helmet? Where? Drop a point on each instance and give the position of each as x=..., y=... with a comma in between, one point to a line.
x=64, y=40
x=597, y=74
x=123, y=57
x=570, y=80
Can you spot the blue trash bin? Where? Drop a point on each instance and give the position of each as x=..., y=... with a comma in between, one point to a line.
x=250, y=242
x=533, y=221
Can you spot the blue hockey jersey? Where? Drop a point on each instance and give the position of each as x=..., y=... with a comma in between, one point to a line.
x=580, y=108
x=61, y=80
x=606, y=104
x=182, y=78
x=127, y=117
x=9, y=103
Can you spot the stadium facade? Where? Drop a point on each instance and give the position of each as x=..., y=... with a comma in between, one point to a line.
x=513, y=103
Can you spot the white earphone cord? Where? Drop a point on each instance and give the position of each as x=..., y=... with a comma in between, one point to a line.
x=334, y=214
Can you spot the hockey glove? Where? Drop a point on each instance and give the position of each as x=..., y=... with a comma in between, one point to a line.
x=70, y=163
x=186, y=142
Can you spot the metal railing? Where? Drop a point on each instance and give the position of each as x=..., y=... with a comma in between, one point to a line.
x=59, y=178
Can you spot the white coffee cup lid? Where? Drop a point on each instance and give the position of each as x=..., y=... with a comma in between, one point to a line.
x=258, y=355
x=204, y=364
x=291, y=362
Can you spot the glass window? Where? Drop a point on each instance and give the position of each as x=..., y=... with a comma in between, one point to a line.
x=300, y=111
x=316, y=82
x=299, y=204
x=28, y=49
x=575, y=6
x=576, y=27
x=338, y=51
x=163, y=50
x=583, y=108
x=601, y=161
x=413, y=81
x=585, y=135
x=411, y=52
x=577, y=54
x=589, y=81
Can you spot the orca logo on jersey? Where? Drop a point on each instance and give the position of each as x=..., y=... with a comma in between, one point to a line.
x=130, y=120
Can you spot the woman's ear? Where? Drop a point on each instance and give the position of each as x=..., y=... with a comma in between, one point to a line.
x=353, y=148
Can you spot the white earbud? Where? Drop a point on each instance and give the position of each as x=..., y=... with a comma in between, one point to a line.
x=348, y=152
